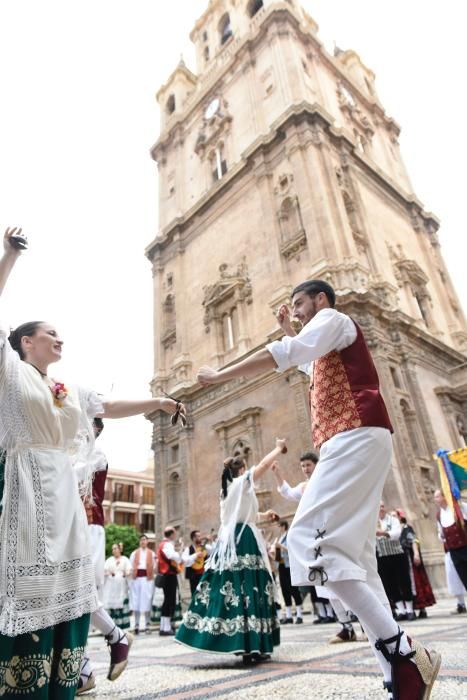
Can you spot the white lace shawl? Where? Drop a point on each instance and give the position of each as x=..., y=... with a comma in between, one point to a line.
x=239, y=506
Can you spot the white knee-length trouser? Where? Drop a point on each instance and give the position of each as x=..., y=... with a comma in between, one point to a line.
x=332, y=537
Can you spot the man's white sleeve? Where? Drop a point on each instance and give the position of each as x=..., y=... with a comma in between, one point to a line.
x=187, y=558
x=328, y=330
x=171, y=553
x=396, y=530
x=290, y=493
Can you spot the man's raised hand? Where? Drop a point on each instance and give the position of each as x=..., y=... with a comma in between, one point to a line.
x=284, y=320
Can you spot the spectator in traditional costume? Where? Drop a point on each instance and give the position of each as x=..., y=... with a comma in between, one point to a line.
x=421, y=586
x=170, y=564
x=393, y=565
x=143, y=567
x=117, y=572
x=233, y=610
x=194, y=558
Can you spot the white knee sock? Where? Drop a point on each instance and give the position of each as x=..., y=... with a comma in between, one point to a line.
x=342, y=614
x=165, y=624
x=409, y=606
x=375, y=617
x=329, y=610
x=460, y=600
x=137, y=616
x=299, y=610
x=400, y=607
x=288, y=611
x=321, y=609
x=86, y=669
x=101, y=619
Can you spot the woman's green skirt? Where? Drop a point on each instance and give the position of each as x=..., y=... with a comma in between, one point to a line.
x=43, y=665
x=233, y=611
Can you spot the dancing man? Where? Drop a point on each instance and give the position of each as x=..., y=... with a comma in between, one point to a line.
x=332, y=537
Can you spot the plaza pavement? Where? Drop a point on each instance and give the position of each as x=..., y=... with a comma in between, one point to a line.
x=304, y=666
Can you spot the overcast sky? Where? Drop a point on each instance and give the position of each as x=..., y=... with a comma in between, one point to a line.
x=79, y=115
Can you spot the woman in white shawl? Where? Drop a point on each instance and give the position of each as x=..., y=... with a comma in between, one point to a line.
x=47, y=588
x=233, y=609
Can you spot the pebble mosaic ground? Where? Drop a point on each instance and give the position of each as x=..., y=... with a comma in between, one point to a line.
x=305, y=665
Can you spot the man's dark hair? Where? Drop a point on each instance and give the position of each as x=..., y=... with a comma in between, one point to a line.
x=193, y=533
x=284, y=524
x=169, y=531
x=312, y=287
x=309, y=457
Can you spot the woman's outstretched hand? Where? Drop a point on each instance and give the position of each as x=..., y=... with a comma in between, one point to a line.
x=8, y=247
x=171, y=406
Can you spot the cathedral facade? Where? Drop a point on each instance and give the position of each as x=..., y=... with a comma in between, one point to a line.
x=278, y=163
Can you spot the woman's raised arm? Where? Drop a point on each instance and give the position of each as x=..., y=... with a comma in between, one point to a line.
x=9, y=257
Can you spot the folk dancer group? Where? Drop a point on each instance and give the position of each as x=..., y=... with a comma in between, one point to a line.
x=47, y=587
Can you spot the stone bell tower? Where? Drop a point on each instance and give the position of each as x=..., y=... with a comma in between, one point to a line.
x=278, y=163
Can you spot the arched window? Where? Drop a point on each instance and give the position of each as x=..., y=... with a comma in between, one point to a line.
x=206, y=53
x=289, y=218
x=230, y=329
x=174, y=497
x=170, y=104
x=225, y=28
x=254, y=6
x=218, y=163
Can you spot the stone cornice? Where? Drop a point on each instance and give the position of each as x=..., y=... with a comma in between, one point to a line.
x=313, y=114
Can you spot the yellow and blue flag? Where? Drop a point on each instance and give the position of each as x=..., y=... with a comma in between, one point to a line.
x=453, y=475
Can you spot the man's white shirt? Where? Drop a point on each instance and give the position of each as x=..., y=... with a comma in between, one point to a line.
x=328, y=330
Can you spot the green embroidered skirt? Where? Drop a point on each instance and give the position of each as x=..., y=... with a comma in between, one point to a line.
x=43, y=665
x=121, y=616
x=233, y=610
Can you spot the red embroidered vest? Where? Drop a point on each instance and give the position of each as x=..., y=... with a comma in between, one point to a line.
x=455, y=536
x=164, y=564
x=344, y=393
x=94, y=509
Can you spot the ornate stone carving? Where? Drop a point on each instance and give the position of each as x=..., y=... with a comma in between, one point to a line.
x=292, y=230
x=232, y=283
x=213, y=128
x=169, y=333
x=353, y=111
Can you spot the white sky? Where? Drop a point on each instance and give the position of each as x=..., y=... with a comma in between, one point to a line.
x=79, y=115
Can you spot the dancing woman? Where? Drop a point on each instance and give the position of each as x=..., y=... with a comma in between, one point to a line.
x=47, y=588
x=233, y=609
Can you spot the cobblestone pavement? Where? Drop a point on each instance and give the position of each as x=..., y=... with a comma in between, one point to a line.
x=305, y=665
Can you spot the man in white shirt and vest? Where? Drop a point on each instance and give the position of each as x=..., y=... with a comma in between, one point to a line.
x=453, y=534
x=332, y=537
